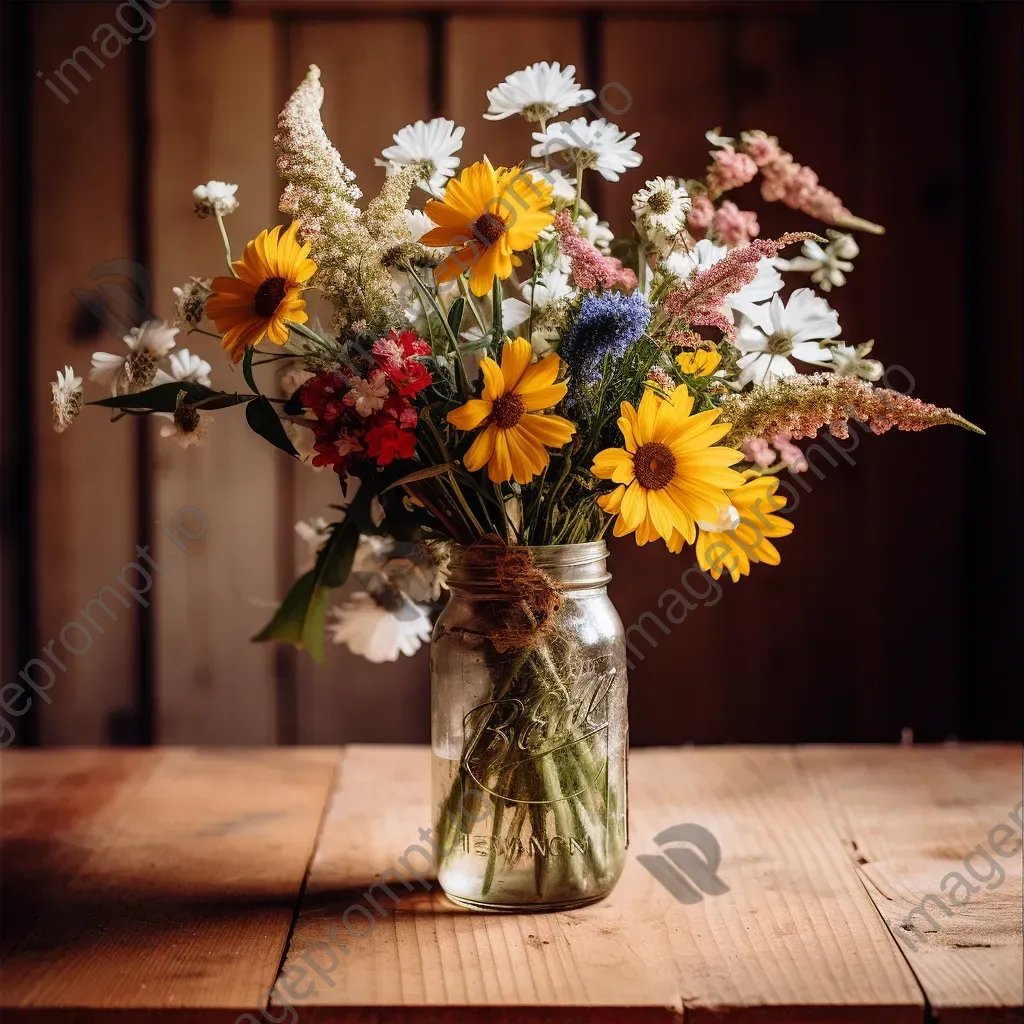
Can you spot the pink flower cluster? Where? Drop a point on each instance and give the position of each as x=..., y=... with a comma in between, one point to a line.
x=590, y=269
x=369, y=412
x=729, y=169
x=735, y=226
x=761, y=453
x=789, y=182
x=798, y=407
x=698, y=220
x=701, y=303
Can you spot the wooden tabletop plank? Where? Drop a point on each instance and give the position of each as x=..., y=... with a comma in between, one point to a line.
x=423, y=954
x=922, y=824
x=795, y=937
x=165, y=881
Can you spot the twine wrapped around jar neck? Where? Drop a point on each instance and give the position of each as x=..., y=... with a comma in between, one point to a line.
x=525, y=585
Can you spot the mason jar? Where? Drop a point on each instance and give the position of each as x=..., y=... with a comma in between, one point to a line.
x=529, y=729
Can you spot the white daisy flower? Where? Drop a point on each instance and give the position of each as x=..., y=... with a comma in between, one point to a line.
x=563, y=189
x=750, y=300
x=147, y=345
x=589, y=144
x=379, y=633
x=796, y=327
x=428, y=145
x=595, y=231
x=661, y=206
x=850, y=361
x=369, y=394
x=418, y=223
x=828, y=267
x=185, y=365
x=215, y=198
x=539, y=93
x=513, y=313
x=550, y=293
x=67, y=399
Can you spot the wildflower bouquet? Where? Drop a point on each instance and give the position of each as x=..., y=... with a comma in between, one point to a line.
x=493, y=376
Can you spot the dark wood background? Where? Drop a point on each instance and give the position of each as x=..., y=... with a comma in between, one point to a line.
x=897, y=602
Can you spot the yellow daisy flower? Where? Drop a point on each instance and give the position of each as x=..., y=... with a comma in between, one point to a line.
x=516, y=435
x=701, y=362
x=747, y=541
x=487, y=214
x=669, y=475
x=255, y=305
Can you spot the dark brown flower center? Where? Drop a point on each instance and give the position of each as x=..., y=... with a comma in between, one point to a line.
x=654, y=465
x=489, y=228
x=268, y=297
x=659, y=202
x=508, y=410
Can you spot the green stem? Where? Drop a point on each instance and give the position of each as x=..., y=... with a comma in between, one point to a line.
x=227, y=244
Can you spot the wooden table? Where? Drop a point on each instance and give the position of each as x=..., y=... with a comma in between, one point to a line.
x=187, y=885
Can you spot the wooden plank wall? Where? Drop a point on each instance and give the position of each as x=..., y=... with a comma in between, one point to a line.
x=892, y=607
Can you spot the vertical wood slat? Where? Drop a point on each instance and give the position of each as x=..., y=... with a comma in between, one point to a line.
x=213, y=114
x=812, y=693
x=481, y=50
x=672, y=103
x=913, y=182
x=341, y=701
x=85, y=494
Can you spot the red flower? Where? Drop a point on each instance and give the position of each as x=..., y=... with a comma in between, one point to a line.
x=396, y=355
x=387, y=441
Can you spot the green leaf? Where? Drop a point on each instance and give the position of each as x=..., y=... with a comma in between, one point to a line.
x=455, y=312
x=162, y=398
x=260, y=415
x=300, y=619
x=247, y=371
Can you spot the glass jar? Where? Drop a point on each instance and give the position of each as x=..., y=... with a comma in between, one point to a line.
x=529, y=729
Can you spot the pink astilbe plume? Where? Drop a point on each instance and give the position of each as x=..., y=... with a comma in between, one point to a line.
x=701, y=302
x=800, y=406
x=589, y=268
x=795, y=184
x=735, y=226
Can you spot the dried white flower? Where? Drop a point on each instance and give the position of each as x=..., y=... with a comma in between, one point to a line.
x=136, y=371
x=660, y=208
x=190, y=302
x=67, y=399
x=215, y=198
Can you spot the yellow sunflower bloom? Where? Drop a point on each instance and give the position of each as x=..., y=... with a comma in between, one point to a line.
x=733, y=550
x=255, y=305
x=487, y=214
x=701, y=362
x=669, y=475
x=517, y=433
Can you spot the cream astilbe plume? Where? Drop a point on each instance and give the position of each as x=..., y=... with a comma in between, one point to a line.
x=320, y=192
x=802, y=405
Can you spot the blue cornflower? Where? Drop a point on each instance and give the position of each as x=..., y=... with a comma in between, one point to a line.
x=606, y=323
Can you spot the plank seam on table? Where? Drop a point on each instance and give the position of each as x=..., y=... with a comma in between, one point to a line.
x=301, y=895
x=844, y=831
